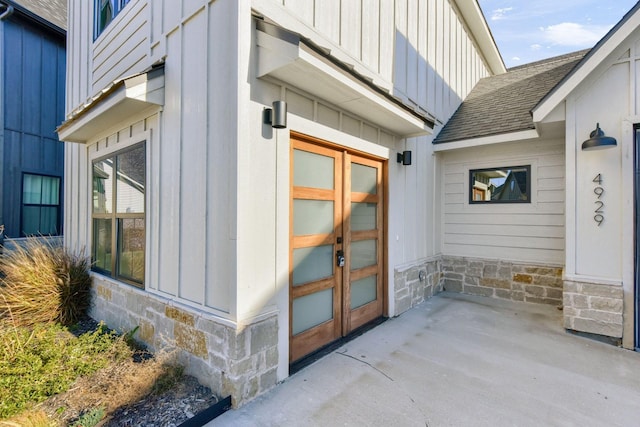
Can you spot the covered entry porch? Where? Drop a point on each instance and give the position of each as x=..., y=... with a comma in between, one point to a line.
x=459, y=360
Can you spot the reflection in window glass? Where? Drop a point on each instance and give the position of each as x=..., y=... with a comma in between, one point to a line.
x=131, y=249
x=103, y=186
x=118, y=246
x=104, y=12
x=500, y=185
x=130, y=191
x=102, y=252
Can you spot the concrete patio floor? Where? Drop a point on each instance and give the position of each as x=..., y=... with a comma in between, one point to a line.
x=459, y=360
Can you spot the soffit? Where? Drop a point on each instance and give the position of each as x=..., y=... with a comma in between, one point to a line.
x=120, y=100
x=287, y=57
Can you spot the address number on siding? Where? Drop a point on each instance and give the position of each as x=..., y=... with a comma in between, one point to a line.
x=598, y=191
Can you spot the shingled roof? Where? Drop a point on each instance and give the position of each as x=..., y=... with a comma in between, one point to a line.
x=54, y=11
x=502, y=103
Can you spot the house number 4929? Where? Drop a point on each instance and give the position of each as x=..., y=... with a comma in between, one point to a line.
x=598, y=191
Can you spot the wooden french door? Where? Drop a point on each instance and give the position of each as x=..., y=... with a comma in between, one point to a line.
x=336, y=241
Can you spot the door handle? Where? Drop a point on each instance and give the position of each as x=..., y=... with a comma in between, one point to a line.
x=340, y=258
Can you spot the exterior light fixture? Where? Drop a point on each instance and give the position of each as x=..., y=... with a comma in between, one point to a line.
x=598, y=140
x=404, y=158
x=276, y=116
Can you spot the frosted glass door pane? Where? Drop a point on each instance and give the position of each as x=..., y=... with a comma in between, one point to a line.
x=312, y=310
x=363, y=254
x=311, y=264
x=363, y=216
x=363, y=291
x=364, y=179
x=312, y=217
x=312, y=170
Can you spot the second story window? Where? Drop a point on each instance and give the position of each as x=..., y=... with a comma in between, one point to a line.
x=104, y=12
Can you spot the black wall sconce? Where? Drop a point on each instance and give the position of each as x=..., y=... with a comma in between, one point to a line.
x=276, y=116
x=404, y=158
x=598, y=141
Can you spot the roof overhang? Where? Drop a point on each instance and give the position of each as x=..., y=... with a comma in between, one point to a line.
x=481, y=33
x=487, y=140
x=605, y=47
x=122, y=99
x=287, y=57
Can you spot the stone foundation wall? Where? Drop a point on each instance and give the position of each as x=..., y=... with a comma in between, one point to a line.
x=415, y=283
x=240, y=362
x=540, y=284
x=593, y=308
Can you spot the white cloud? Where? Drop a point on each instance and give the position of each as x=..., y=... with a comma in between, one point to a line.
x=574, y=35
x=515, y=58
x=536, y=46
x=499, y=14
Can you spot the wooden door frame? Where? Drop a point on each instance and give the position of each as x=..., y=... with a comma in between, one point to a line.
x=379, y=235
x=318, y=142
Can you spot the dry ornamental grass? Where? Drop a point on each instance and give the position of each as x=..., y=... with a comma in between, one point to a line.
x=40, y=283
x=42, y=287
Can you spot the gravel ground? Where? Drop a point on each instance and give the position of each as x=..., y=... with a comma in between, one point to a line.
x=168, y=409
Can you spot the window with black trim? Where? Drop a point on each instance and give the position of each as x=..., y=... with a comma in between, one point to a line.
x=511, y=184
x=104, y=12
x=40, y=213
x=118, y=215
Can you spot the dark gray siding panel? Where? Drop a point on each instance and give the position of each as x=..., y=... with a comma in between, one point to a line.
x=33, y=96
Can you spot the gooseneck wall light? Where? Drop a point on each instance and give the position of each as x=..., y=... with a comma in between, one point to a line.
x=276, y=116
x=598, y=140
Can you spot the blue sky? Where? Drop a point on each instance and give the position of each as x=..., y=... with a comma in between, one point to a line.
x=527, y=31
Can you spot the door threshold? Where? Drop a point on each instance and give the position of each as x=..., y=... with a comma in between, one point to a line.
x=331, y=347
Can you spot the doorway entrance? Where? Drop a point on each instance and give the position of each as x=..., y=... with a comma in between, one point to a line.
x=336, y=238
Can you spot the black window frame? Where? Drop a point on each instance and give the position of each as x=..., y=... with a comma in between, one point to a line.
x=116, y=7
x=115, y=218
x=58, y=206
x=527, y=191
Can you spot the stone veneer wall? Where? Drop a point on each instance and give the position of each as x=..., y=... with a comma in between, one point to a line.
x=540, y=284
x=241, y=363
x=593, y=308
x=411, y=288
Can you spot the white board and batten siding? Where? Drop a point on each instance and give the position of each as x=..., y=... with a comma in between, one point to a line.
x=199, y=150
x=418, y=49
x=191, y=144
x=528, y=232
x=121, y=50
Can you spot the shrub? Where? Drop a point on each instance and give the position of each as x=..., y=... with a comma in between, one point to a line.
x=40, y=283
x=90, y=418
x=38, y=363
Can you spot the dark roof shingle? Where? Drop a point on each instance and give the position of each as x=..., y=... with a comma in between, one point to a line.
x=54, y=11
x=503, y=103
